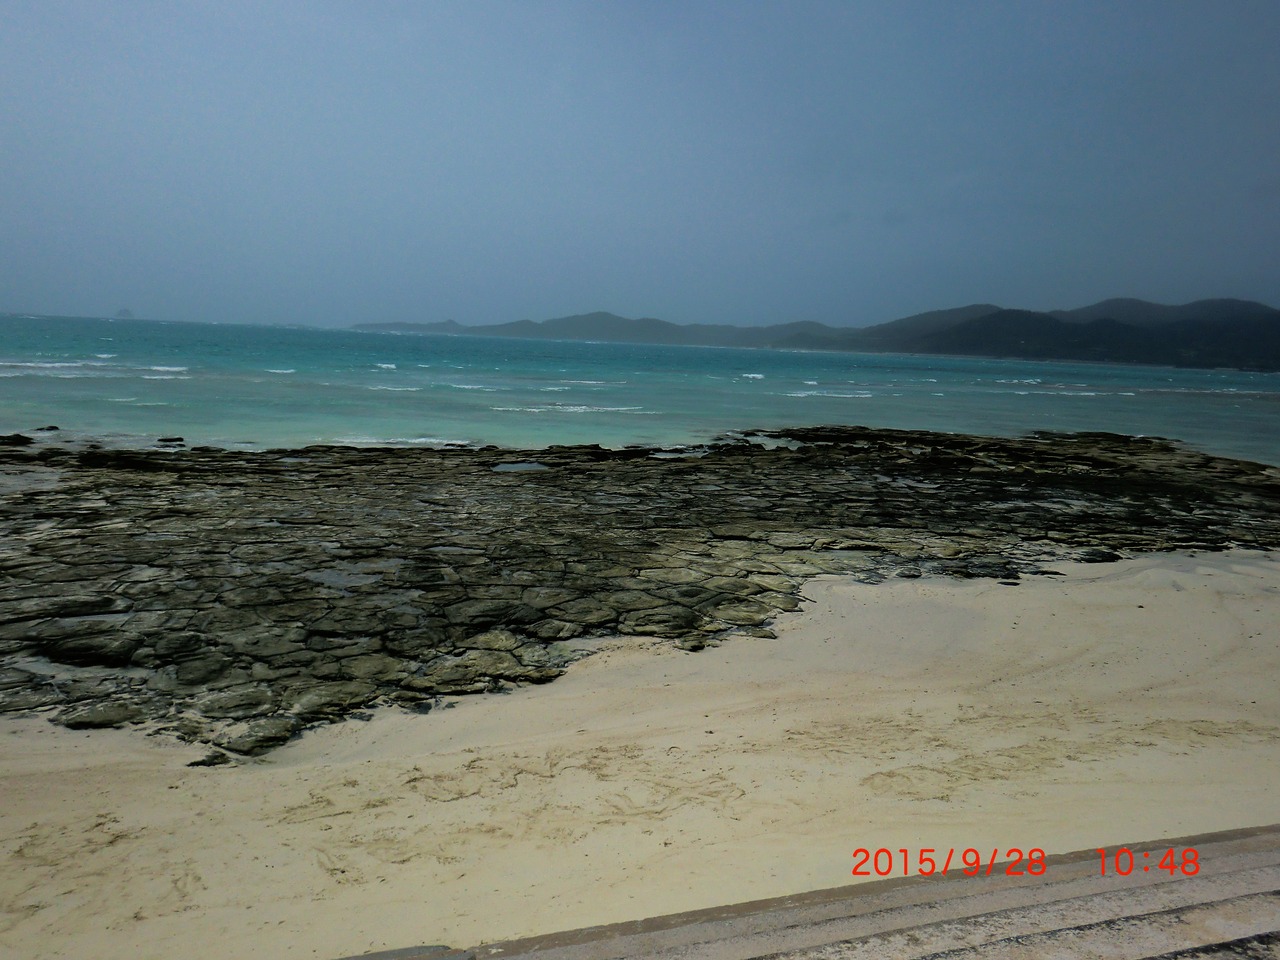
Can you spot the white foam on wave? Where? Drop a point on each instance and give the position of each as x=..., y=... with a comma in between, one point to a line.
x=752, y=376
x=473, y=386
x=859, y=395
x=167, y=369
x=582, y=408
x=571, y=408
x=422, y=441
x=105, y=356
x=386, y=366
x=275, y=370
x=45, y=364
x=396, y=389
x=121, y=399
x=163, y=376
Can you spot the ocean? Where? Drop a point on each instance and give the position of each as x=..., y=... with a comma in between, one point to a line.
x=129, y=382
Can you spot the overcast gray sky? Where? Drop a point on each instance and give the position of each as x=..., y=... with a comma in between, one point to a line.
x=737, y=162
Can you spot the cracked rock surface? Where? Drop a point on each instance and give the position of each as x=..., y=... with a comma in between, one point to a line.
x=234, y=598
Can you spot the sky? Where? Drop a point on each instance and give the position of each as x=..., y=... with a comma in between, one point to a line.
x=741, y=162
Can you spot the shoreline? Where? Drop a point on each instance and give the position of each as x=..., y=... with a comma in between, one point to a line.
x=60, y=440
x=1118, y=700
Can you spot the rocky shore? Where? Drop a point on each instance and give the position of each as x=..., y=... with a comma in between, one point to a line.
x=235, y=598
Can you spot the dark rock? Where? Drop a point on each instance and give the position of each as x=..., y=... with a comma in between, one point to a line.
x=555, y=629
x=588, y=611
x=191, y=671
x=492, y=640
x=181, y=644
x=265, y=642
x=258, y=736
x=110, y=714
x=84, y=642
x=122, y=460
x=489, y=612
x=38, y=608
x=214, y=758
x=374, y=666
x=329, y=699
x=1099, y=556
x=237, y=702
x=22, y=699
x=15, y=440
x=659, y=621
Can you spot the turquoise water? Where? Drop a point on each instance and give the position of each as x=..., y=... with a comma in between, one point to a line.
x=259, y=387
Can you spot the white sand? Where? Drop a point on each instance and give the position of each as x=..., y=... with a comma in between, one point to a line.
x=1123, y=701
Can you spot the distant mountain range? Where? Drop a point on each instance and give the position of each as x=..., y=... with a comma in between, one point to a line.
x=1208, y=333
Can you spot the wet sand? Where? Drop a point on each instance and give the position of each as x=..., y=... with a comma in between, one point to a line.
x=1121, y=700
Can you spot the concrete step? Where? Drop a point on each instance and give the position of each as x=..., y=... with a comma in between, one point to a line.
x=1265, y=946
x=1005, y=935
x=1233, y=903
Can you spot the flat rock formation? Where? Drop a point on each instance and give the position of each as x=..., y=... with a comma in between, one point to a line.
x=234, y=598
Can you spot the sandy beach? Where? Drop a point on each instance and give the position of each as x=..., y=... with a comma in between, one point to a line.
x=1117, y=701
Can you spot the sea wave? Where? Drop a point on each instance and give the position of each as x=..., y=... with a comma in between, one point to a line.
x=396, y=389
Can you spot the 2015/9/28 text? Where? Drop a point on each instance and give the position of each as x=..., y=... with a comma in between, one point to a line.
x=928, y=861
